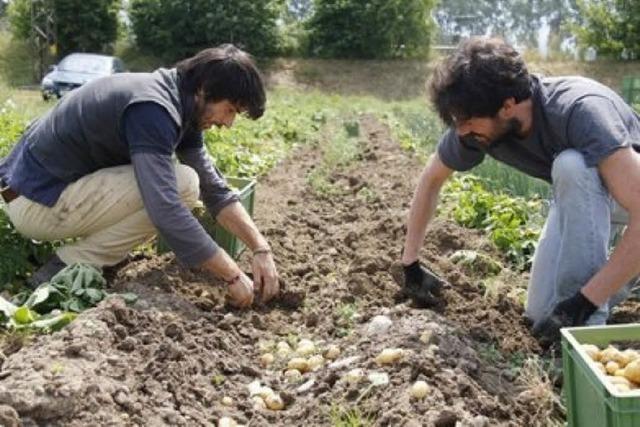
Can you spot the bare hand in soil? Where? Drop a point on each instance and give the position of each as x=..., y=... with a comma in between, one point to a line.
x=241, y=292
x=265, y=276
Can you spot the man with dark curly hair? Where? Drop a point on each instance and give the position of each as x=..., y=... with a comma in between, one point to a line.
x=572, y=132
x=99, y=168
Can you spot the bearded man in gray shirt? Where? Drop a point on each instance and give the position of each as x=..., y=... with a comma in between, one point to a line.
x=99, y=167
x=572, y=132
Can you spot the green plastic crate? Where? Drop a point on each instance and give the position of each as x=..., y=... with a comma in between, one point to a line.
x=230, y=243
x=591, y=401
x=631, y=89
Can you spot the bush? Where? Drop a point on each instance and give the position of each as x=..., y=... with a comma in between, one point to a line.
x=81, y=25
x=174, y=29
x=371, y=29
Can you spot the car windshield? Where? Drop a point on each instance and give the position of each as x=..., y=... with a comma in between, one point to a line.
x=86, y=64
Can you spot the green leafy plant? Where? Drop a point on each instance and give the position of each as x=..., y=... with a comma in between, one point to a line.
x=513, y=223
x=74, y=289
x=371, y=29
x=174, y=29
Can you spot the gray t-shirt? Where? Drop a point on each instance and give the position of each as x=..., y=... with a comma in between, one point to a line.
x=568, y=112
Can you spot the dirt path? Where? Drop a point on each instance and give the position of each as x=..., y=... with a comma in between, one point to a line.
x=171, y=358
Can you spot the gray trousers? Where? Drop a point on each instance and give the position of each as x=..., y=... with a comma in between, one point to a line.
x=574, y=244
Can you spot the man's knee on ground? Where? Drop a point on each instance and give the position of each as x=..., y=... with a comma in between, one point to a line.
x=188, y=184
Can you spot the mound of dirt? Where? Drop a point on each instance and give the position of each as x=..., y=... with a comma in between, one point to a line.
x=173, y=357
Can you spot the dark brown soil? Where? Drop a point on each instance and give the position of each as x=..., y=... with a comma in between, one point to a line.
x=173, y=356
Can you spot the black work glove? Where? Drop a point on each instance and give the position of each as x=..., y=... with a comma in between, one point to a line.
x=574, y=311
x=421, y=285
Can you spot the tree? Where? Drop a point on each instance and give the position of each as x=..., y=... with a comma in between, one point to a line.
x=175, y=29
x=611, y=26
x=80, y=25
x=371, y=29
x=86, y=25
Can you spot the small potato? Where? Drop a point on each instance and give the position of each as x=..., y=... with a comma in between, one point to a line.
x=293, y=375
x=389, y=356
x=609, y=354
x=227, y=422
x=305, y=348
x=315, y=362
x=623, y=388
x=592, y=350
x=632, y=371
x=266, y=360
x=354, y=376
x=619, y=373
x=627, y=356
x=227, y=401
x=419, y=390
x=283, y=349
x=266, y=346
x=299, y=363
x=611, y=367
x=332, y=352
x=258, y=403
x=274, y=402
x=619, y=380
x=265, y=391
x=426, y=336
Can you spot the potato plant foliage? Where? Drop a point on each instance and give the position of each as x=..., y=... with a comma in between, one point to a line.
x=512, y=223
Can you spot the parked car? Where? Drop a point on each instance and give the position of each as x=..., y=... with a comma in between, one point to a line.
x=75, y=70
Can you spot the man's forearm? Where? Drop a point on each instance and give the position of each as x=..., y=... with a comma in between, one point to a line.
x=621, y=267
x=236, y=220
x=423, y=207
x=221, y=265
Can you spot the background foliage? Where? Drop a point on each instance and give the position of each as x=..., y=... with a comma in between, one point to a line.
x=371, y=29
x=612, y=26
x=174, y=29
x=81, y=25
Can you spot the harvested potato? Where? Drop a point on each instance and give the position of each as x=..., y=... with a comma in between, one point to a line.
x=332, y=352
x=609, y=354
x=632, y=371
x=315, y=362
x=619, y=373
x=258, y=403
x=619, y=380
x=299, y=363
x=266, y=359
x=426, y=336
x=592, y=350
x=623, y=388
x=274, y=402
x=293, y=375
x=265, y=391
x=611, y=367
x=227, y=422
x=354, y=376
x=283, y=349
x=305, y=347
x=419, y=390
x=227, y=401
x=266, y=346
x=389, y=356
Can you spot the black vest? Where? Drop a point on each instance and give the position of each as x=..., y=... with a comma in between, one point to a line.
x=83, y=132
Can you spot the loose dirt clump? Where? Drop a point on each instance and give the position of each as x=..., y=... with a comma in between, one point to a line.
x=180, y=356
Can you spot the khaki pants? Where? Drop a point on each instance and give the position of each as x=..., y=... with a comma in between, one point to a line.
x=103, y=210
